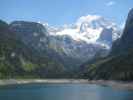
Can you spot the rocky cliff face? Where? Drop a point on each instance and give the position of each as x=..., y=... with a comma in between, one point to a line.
x=126, y=40
x=106, y=36
x=31, y=33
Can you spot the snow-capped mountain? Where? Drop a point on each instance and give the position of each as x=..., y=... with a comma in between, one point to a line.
x=85, y=38
x=87, y=28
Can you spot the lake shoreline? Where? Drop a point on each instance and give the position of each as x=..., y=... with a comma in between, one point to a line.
x=111, y=83
x=28, y=81
x=114, y=84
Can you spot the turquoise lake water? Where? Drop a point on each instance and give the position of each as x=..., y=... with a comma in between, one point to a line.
x=63, y=92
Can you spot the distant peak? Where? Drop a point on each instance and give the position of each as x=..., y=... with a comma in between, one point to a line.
x=131, y=10
x=130, y=13
x=88, y=18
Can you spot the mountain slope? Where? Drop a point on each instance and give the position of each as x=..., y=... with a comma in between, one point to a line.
x=126, y=40
x=119, y=64
x=85, y=38
x=19, y=60
x=36, y=36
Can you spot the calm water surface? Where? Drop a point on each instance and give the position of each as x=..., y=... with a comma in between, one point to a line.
x=63, y=92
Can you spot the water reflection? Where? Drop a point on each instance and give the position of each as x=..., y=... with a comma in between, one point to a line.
x=63, y=92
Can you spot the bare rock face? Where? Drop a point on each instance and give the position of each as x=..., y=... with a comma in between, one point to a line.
x=31, y=33
x=126, y=41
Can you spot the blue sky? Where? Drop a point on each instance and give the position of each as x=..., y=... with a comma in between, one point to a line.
x=59, y=12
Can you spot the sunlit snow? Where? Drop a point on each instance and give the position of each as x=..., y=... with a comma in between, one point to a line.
x=86, y=28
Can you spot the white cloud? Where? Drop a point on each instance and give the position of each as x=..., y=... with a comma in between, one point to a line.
x=110, y=3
